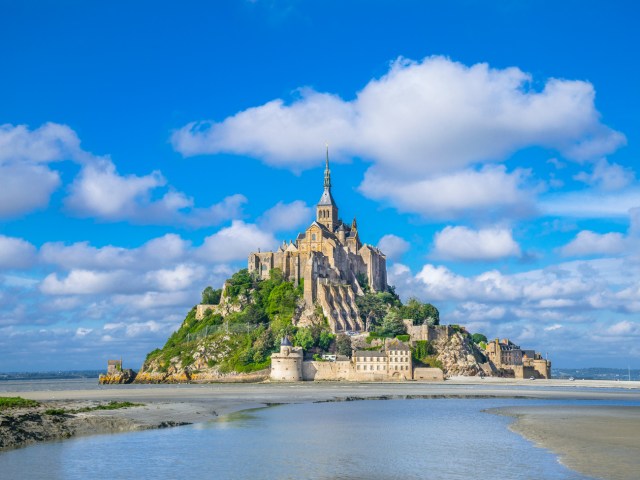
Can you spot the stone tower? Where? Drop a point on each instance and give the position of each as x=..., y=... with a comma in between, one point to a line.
x=327, y=210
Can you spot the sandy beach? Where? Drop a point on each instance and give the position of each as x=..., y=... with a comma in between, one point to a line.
x=598, y=441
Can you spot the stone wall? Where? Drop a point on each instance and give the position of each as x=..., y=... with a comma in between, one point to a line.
x=316, y=371
x=428, y=374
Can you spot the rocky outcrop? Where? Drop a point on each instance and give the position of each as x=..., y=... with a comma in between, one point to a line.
x=458, y=355
x=117, y=378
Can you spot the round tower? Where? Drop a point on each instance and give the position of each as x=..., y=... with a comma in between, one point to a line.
x=286, y=366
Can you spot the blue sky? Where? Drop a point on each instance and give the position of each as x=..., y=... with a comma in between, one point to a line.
x=490, y=148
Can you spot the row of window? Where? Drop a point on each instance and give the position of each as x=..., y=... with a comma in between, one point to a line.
x=382, y=367
x=384, y=359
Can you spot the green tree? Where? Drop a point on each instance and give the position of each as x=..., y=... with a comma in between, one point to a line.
x=211, y=296
x=479, y=338
x=239, y=284
x=420, y=312
x=304, y=338
x=325, y=339
x=343, y=345
x=392, y=324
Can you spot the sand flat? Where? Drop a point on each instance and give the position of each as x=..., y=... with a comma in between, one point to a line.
x=600, y=441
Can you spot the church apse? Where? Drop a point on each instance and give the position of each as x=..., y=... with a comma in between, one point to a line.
x=331, y=259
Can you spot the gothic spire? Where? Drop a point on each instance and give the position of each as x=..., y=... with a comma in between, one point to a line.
x=327, y=172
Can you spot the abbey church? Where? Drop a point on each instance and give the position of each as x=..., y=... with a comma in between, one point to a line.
x=330, y=260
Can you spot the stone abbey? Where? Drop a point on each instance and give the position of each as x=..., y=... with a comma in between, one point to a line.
x=331, y=261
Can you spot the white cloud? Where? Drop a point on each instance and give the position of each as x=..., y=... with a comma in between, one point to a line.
x=607, y=176
x=421, y=117
x=592, y=243
x=587, y=242
x=235, y=243
x=87, y=282
x=591, y=203
x=100, y=191
x=286, y=216
x=49, y=143
x=24, y=188
x=16, y=253
x=462, y=243
x=26, y=181
x=158, y=252
x=393, y=247
x=465, y=193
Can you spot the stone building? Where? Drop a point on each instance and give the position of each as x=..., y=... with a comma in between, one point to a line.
x=508, y=356
x=331, y=261
x=392, y=363
x=114, y=366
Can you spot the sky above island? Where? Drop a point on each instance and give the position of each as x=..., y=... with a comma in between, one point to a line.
x=490, y=149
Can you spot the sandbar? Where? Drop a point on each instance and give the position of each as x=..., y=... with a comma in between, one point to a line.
x=601, y=441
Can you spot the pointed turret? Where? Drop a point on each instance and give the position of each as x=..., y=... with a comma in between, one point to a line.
x=327, y=210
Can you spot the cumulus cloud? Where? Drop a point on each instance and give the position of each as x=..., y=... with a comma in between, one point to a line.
x=428, y=127
x=235, y=242
x=26, y=181
x=161, y=251
x=485, y=192
x=24, y=188
x=592, y=243
x=16, y=253
x=430, y=116
x=286, y=216
x=607, y=176
x=462, y=243
x=393, y=247
x=100, y=191
x=49, y=143
x=587, y=242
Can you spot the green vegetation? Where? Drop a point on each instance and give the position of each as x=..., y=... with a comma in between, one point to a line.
x=7, y=403
x=251, y=334
x=403, y=338
x=211, y=296
x=55, y=411
x=420, y=312
x=479, y=338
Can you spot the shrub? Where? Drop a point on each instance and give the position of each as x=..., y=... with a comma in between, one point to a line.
x=403, y=338
x=16, y=402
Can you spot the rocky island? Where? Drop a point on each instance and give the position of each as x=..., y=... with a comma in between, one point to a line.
x=320, y=305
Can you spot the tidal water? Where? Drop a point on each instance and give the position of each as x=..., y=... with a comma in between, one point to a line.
x=403, y=439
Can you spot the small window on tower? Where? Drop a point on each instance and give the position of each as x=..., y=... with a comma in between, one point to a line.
x=313, y=236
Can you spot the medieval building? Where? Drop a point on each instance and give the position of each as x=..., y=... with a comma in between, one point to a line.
x=331, y=261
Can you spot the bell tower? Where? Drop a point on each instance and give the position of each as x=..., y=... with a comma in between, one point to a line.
x=327, y=210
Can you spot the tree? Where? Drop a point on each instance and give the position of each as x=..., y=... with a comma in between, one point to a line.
x=211, y=296
x=343, y=345
x=420, y=312
x=479, y=338
x=324, y=342
x=392, y=324
x=304, y=338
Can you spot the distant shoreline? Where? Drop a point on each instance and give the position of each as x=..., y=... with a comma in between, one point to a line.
x=168, y=405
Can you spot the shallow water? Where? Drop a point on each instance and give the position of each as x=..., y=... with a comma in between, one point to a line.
x=409, y=439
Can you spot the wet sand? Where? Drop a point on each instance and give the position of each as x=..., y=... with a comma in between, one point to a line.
x=599, y=441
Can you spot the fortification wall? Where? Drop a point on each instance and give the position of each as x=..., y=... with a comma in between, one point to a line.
x=340, y=370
